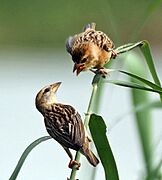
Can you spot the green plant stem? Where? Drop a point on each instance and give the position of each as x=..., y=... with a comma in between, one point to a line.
x=91, y=104
x=74, y=169
x=86, y=121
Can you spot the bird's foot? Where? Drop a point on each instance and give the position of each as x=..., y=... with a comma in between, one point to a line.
x=114, y=54
x=73, y=163
x=102, y=71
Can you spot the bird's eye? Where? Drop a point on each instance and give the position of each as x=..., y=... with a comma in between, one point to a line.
x=46, y=90
x=84, y=60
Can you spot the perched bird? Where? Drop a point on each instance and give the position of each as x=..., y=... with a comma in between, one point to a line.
x=90, y=50
x=64, y=124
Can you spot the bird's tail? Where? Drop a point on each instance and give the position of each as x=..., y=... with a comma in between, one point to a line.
x=89, y=26
x=88, y=153
x=91, y=157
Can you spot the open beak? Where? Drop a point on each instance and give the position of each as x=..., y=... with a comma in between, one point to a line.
x=55, y=86
x=78, y=68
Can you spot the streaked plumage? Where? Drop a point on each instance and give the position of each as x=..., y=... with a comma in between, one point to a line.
x=63, y=123
x=90, y=49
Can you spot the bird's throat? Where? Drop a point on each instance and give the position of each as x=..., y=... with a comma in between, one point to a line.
x=51, y=100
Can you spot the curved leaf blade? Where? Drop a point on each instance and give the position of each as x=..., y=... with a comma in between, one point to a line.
x=25, y=154
x=145, y=81
x=155, y=174
x=127, y=47
x=98, y=131
x=132, y=85
x=145, y=48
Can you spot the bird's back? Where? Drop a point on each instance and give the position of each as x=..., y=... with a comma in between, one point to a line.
x=90, y=35
x=64, y=124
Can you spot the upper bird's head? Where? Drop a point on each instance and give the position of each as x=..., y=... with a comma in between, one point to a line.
x=83, y=52
x=89, y=49
x=47, y=95
x=85, y=57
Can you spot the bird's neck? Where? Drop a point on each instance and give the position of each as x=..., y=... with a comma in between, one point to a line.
x=46, y=103
x=50, y=100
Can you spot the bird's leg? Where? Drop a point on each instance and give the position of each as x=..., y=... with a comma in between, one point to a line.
x=92, y=70
x=102, y=71
x=72, y=162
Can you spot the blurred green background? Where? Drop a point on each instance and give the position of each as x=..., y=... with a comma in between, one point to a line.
x=49, y=23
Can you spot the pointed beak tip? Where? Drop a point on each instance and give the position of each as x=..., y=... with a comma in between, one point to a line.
x=59, y=83
x=74, y=70
x=75, y=67
x=55, y=86
x=78, y=68
x=78, y=72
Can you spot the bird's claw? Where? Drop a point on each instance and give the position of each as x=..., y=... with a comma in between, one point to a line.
x=73, y=163
x=114, y=54
x=102, y=71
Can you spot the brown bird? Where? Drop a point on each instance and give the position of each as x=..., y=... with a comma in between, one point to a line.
x=64, y=124
x=90, y=50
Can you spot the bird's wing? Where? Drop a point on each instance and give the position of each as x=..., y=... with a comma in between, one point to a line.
x=71, y=40
x=103, y=41
x=64, y=124
x=108, y=44
x=69, y=44
x=89, y=26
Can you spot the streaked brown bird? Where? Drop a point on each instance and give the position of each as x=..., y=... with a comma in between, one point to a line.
x=90, y=50
x=64, y=124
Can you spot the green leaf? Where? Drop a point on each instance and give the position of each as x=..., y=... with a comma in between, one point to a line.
x=145, y=81
x=25, y=154
x=127, y=47
x=155, y=174
x=98, y=131
x=132, y=85
x=145, y=48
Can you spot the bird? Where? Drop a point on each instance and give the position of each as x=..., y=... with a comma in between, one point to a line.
x=90, y=50
x=64, y=124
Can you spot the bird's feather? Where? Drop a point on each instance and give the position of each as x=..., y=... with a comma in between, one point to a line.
x=64, y=124
x=69, y=44
x=89, y=26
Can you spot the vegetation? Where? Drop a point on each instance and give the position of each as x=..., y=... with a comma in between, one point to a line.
x=140, y=85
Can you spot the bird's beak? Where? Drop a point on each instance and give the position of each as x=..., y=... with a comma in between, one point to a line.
x=78, y=68
x=55, y=86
